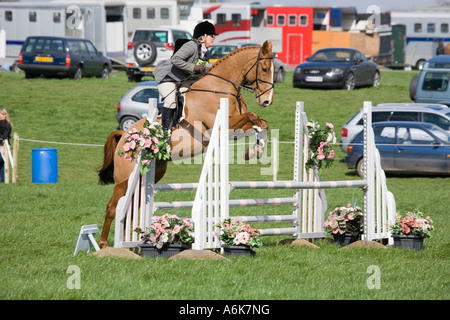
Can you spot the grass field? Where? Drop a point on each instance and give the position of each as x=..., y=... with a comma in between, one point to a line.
x=39, y=223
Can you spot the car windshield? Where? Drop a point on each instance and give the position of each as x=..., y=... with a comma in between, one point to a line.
x=220, y=51
x=332, y=56
x=150, y=35
x=440, y=133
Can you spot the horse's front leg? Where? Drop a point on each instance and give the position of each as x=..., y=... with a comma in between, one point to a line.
x=242, y=123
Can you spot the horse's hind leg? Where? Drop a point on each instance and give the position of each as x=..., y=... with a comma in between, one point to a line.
x=119, y=191
x=251, y=121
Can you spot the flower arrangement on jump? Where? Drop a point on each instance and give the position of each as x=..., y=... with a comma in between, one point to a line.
x=347, y=219
x=414, y=223
x=233, y=232
x=320, y=152
x=151, y=141
x=167, y=229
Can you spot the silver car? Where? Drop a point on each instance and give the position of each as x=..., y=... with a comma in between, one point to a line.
x=434, y=113
x=134, y=104
x=148, y=47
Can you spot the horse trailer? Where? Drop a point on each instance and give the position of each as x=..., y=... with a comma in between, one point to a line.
x=101, y=22
x=424, y=31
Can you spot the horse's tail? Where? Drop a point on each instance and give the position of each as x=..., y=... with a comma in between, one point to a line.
x=106, y=172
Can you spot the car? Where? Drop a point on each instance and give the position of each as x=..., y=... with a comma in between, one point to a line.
x=148, y=46
x=405, y=146
x=218, y=51
x=62, y=57
x=336, y=68
x=432, y=84
x=133, y=105
x=423, y=112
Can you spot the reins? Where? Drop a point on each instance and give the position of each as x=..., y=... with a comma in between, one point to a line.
x=239, y=86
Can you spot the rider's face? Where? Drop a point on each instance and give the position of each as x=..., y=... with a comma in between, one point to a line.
x=209, y=41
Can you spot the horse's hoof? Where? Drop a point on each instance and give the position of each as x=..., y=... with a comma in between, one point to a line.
x=249, y=154
x=103, y=244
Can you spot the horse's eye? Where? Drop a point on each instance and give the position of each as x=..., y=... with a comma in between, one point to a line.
x=265, y=70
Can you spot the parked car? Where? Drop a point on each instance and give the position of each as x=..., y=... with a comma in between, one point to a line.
x=422, y=112
x=218, y=51
x=432, y=84
x=336, y=68
x=148, y=47
x=62, y=57
x=405, y=147
x=133, y=105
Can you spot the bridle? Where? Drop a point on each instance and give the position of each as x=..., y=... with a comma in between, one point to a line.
x=238, y=86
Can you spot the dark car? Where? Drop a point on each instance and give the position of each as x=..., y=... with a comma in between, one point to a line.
x=133, y=105
x=62, y=57
x=336, y=68
x=405, y=146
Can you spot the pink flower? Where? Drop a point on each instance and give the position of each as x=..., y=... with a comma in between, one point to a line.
x=135, y=136
x=155, y=149
x=147, y=143
x=320, y=156
x=329, y=125
x=351, y=216
x=176, y=229
x=146, y=162
x=132, y=145
x=133, y=130
x=127, y=157
x=187, y=222
x=331, y=155
x=155, y=140
x=126, y=147
x=145, y=131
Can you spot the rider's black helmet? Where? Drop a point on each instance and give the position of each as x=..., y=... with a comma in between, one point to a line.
x=203, y=28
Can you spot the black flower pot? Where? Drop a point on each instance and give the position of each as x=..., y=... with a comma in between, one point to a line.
x=238, y=251
x=408, y=242
x=167, y=250
x=345, y=238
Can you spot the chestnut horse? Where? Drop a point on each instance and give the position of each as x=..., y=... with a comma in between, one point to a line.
x=252, y=65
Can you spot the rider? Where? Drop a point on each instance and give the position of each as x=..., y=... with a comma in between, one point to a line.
x=191, y=58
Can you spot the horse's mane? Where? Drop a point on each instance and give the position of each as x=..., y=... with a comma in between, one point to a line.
x=232, y=53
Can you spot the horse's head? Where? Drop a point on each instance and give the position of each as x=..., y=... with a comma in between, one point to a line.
x=260, y=76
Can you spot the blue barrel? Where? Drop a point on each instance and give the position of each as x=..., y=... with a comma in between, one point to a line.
x=44, y=164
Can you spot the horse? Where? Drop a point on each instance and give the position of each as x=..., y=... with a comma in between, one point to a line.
x=249, y=68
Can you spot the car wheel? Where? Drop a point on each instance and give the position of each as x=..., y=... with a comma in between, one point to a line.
x=127, y=122
x=376, y=80
x=360, y=167
x=350, y=82
x=413, y=87
x=280, y=75
x=78, y=74
x=419, y=64
x=145, y=52
x=105, y=73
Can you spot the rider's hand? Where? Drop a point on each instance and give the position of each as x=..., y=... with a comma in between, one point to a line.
x=199, y=69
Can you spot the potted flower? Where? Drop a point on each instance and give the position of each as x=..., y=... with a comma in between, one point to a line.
x=237, y=238
x=409, y=231
x=345, y=224
x=151, y=141
x=166, y=236
x=320, y=139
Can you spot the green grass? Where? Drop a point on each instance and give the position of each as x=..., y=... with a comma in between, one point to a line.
x=39, y=223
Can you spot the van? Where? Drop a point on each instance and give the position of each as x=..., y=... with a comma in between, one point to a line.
x=62, y=57
x=432, y=84
x=421, y=112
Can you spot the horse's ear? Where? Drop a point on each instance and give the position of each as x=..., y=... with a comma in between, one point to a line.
x=267, y=48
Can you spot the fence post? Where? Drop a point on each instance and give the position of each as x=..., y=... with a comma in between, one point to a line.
x=298, y=163
x=369, y=174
